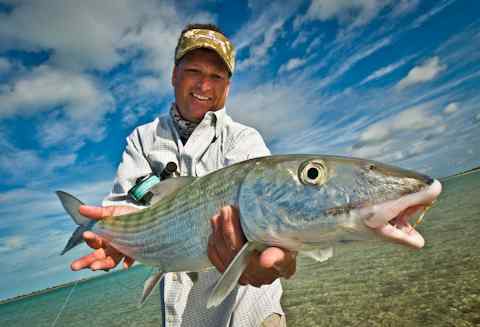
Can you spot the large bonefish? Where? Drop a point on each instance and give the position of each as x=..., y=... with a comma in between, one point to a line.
x=305, y=203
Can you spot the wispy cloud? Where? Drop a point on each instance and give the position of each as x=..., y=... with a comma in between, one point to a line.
x=258, y=35
x=425, y=72
x=291, y=65
x=349, y=62
x=434, y=11
x=403, y=7
x=351, y=13
x=379, y=73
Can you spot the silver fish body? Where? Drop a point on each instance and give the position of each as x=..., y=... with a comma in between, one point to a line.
x=298, y=202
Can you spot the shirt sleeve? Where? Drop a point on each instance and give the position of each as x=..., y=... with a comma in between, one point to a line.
x=134, y=164
x=246, y=145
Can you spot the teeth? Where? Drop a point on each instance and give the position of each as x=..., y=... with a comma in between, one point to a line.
x=420, y=219
x=200, y=97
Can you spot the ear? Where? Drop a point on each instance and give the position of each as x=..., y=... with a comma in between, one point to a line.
x=227, y=89
x=174, y=75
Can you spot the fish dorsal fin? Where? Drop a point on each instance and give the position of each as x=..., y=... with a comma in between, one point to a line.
x=169, y=186
x=319, y=255
x=230, y=277
x=150, y=284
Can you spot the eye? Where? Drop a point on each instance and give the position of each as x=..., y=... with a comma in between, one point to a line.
x=313, y=173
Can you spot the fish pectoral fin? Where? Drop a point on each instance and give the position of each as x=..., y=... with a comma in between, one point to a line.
x=169, y=186
x=150, y=284
x=230, y=277
x=319, y=255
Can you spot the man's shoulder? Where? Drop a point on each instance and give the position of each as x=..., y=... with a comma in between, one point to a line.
x=235, y=128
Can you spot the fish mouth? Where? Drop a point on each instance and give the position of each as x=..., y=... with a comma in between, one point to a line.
x=392, y=219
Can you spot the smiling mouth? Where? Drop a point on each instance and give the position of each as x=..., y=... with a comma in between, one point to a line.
x=200, y=97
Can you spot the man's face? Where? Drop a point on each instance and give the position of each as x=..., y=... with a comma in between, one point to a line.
x=201, y=84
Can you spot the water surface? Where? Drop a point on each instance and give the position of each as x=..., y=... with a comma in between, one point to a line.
x=365, y=284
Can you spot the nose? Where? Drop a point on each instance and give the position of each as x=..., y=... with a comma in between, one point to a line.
x=204, y=83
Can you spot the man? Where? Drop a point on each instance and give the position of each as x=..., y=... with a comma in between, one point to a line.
x=199, y=137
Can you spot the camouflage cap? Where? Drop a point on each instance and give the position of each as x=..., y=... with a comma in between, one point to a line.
x=204, y=38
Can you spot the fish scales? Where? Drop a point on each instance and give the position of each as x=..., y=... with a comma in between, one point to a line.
x=177, y=228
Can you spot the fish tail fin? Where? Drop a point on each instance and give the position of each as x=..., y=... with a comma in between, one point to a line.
x=71, y=205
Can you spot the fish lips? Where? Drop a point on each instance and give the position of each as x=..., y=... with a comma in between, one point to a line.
x=390, y=219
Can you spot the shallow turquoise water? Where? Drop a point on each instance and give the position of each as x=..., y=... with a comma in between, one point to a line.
x=365, y=284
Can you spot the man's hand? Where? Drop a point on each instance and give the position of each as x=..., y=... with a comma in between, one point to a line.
x=105, y=256
x=227, y=239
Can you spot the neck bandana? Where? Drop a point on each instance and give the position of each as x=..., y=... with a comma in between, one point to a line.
x=184, y=127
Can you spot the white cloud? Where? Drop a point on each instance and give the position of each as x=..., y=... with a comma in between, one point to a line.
x=412, y=119
x=346, y=12
x=262, y=107
x=131, y=114
x=81, y=34
x=451, y=108
x=291, y=65
x=386, y=138
x=78, y=103
x=47, y=87
x=20, y=165
x=149, y=84
x=425, y=72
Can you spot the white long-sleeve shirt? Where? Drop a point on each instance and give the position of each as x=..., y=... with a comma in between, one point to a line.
x=216, y=142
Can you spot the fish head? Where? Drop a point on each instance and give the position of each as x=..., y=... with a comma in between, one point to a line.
x=311, y=200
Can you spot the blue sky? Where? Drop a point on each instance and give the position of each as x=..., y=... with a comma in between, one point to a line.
x=396, y=81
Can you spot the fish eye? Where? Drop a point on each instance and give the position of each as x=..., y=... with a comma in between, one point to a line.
x=313, y=173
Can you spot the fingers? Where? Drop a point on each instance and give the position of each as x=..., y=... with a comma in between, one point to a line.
x=104, y=257
x=231, y=230
x=283, y=261
x=105, y=264
x=227, y=239
x=265, y=267
x=105, y=212
x=215, y=241
x=93, y=240
x=87, y=260
x=128, y=262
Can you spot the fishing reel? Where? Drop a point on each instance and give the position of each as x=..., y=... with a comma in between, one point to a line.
x=140, y=193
